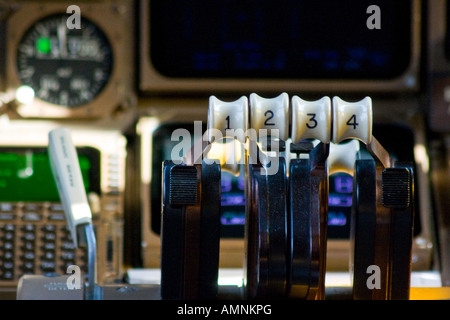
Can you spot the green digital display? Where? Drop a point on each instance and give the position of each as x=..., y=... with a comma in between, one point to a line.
x=26, y=175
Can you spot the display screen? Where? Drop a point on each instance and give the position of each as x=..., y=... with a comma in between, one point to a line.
x=308, y=39
x=25, y=174
x=339, y=205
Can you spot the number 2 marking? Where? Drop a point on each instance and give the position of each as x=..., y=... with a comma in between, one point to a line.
x=267, y=123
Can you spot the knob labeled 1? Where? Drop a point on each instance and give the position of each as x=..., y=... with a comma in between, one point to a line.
x=271, y=114
x=311, y=119
x=352, y=120
x=230, y=118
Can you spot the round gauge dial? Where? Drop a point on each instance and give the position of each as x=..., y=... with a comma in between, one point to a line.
x=66, y=67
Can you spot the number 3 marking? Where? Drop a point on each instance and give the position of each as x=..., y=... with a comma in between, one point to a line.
x=313, y=120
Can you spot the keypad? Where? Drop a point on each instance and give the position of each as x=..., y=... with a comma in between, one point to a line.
x=35, y=239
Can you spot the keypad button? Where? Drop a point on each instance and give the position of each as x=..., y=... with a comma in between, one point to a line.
x=271, y=115
x=8, y=275
x=311, y=119
x=29, y=236
x=32, y=207
x=7, y=216
x=48, y=266
x=230, y=119
x=8, y=245
x=49, y=255
x=49, y=246
x=28, y=266
x=9, y=227
x=67, y=245
x=8, y=236
x=28, y=227
x=68, y=255
x=8, y=255
x=56, y=217
x=7, y=207
x=31, y=216
x=352, y=120
x=49, y=228
x=8, y=265
x=29, y=255
x=28, y=246
x=56, y=207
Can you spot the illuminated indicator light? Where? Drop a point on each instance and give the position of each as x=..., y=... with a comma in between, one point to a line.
x=43, y=45
x=336, y=219
x=25, y=94
x=233, y=200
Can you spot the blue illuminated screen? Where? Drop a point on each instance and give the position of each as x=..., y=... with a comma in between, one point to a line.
x=313, y=39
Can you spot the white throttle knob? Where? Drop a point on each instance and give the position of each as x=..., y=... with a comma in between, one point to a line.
x=229, y=118
x=342, y=157
x=271, y=114
x=352, y=120
x=311, y=119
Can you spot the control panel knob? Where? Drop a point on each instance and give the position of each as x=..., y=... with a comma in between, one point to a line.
x=352, y=120
x=229, y=118
x=271, y=114
x=311, y=119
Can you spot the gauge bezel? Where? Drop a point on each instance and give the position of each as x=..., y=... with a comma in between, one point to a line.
x=116, y=92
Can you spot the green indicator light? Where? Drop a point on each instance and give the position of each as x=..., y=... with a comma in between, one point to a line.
x=43, y=45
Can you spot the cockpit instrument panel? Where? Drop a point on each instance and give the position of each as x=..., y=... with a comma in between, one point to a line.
x=67, y=67
x=74, y=62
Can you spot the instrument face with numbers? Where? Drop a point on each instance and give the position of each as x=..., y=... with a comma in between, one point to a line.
x=82, y=59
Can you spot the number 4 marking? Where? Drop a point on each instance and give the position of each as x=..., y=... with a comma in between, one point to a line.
x=352, y=122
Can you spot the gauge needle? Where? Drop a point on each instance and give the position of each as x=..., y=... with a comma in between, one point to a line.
x=62, y=39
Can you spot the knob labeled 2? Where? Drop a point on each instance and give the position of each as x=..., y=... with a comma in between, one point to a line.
x=271, y=114
x=352, y=120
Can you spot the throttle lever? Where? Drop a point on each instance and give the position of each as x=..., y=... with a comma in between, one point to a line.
x=66, y=171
